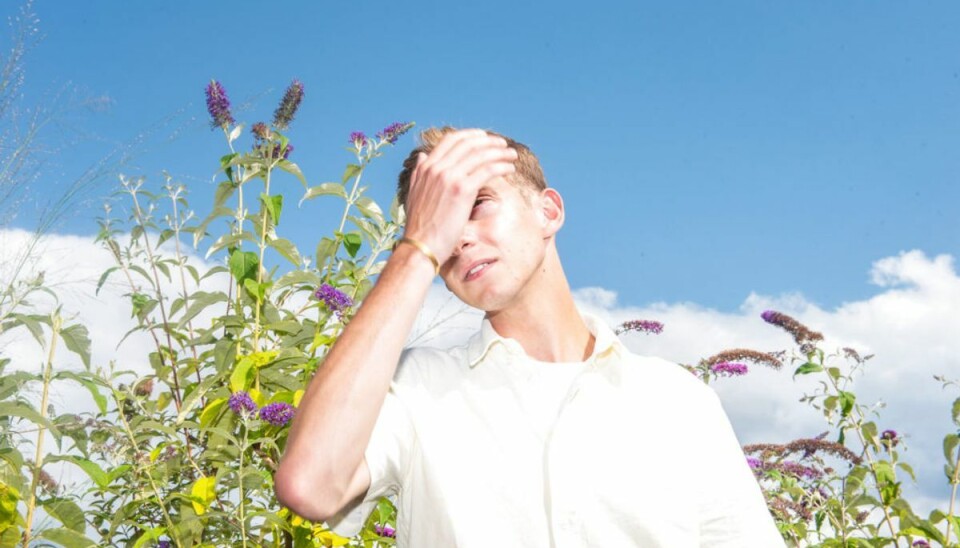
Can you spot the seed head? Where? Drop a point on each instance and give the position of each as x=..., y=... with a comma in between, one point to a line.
x=288, y=105
x=801, y=333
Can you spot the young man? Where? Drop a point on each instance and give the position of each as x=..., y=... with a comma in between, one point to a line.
x=543, y=430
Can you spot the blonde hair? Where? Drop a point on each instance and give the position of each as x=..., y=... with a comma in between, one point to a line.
x=529, y=174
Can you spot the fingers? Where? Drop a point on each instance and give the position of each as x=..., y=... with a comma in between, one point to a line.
x=462, y=153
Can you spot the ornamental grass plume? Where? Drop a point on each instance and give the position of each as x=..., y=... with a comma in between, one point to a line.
x=287, y=109
x=218, y=105
x=642, y=326
x=393, y=132
x=801, y=333
x=242, y=404
x=277, y=414
x=337, y=301
x=745, y=354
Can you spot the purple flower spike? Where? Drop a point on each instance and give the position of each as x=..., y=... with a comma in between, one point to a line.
x=163, y=544
x=277, y=414
x=920, y=543
x=754, y=463
x=393, y=132
x=218, y=105
x=337, y=301
x=728, y=369
x=643, y=326
x=385, y=531
x=288, y=105
x=358, y=138
x=242, y=404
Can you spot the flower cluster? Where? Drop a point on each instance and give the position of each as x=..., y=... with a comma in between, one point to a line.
x=337, y=301
x=260, y=131
x=801, y=333
x=358, y=138
x=242, y=404
x=385, y=531
x=643, y=326
x=218, y=105
x=277, y=414
x=745, y=354
x=728, y=369
x=286, y=152
x=920, y=543
x=889, y=438
x=393, y=132
x=288, y=105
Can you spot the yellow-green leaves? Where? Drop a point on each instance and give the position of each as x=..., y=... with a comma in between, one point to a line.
x=202, y=494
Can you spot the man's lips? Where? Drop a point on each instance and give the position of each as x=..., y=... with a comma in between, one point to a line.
x=476, y=268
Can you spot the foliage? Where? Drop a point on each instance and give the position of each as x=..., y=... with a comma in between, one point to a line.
x=185, y=455
x=846, y=492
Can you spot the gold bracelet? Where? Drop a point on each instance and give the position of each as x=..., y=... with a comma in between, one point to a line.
x=423, y=249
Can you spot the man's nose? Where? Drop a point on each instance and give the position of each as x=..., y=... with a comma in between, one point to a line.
x=467, y=239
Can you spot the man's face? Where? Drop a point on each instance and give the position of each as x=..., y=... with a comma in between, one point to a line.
x=500, y=250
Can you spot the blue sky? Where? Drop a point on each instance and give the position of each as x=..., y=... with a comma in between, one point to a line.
x=705, y=150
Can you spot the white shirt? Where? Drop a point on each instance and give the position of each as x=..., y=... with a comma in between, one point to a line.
x=638, y=452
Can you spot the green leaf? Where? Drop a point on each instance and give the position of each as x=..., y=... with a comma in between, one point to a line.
x=956, y=411
x=223, y=193
x=194, y=398
x=77, y=339
x=22, y=410
x=33, y=323
x=807, y=368
x=103, y=278
x=352, y=171
x=229, y=240
x=203, y=492
x=66, y=538
x=243, y=265
x=950, y=442
x=201, y=230
x=273, y=205
x=211, y=411
x=68, y=513
x=91, y=387
x=370, y=209
x=325, y=189
x=292, y=169
x=92, y=469
x=201, y=300
x=238, y=379
x=847, y=399
x=352, y=242
x=325, y=250
x=308, y=277
x=149, y=536
x=287, y=249
x=908, y=469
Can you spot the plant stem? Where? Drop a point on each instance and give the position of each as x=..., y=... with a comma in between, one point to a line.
x=263, y=245
x=243, y=449
x=953, y=498
x=38, y=455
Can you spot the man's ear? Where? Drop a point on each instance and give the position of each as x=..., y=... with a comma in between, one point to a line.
x=551, y=211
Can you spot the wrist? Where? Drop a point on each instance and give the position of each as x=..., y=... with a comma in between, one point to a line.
x=421, y=248
x=410, y=257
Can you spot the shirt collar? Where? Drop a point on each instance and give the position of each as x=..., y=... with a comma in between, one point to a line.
x=481, y=343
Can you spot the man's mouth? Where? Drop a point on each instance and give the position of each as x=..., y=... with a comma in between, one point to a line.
x=477, y=269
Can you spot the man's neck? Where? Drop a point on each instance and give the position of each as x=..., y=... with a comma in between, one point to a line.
x=546, y=322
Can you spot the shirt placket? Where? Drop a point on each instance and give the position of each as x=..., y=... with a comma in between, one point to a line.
x=564, y=497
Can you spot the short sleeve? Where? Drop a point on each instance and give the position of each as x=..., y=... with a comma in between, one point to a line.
x=387, y=457
x=733, y=512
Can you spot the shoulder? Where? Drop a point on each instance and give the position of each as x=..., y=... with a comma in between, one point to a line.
x=664, y=376
x=423, y=366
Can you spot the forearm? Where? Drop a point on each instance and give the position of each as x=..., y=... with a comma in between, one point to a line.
x=340, y=407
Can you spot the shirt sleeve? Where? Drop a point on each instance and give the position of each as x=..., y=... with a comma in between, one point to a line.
x=733, y=512
x=387, y=458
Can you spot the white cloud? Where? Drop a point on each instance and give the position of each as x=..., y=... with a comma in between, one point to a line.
x=910, y=324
